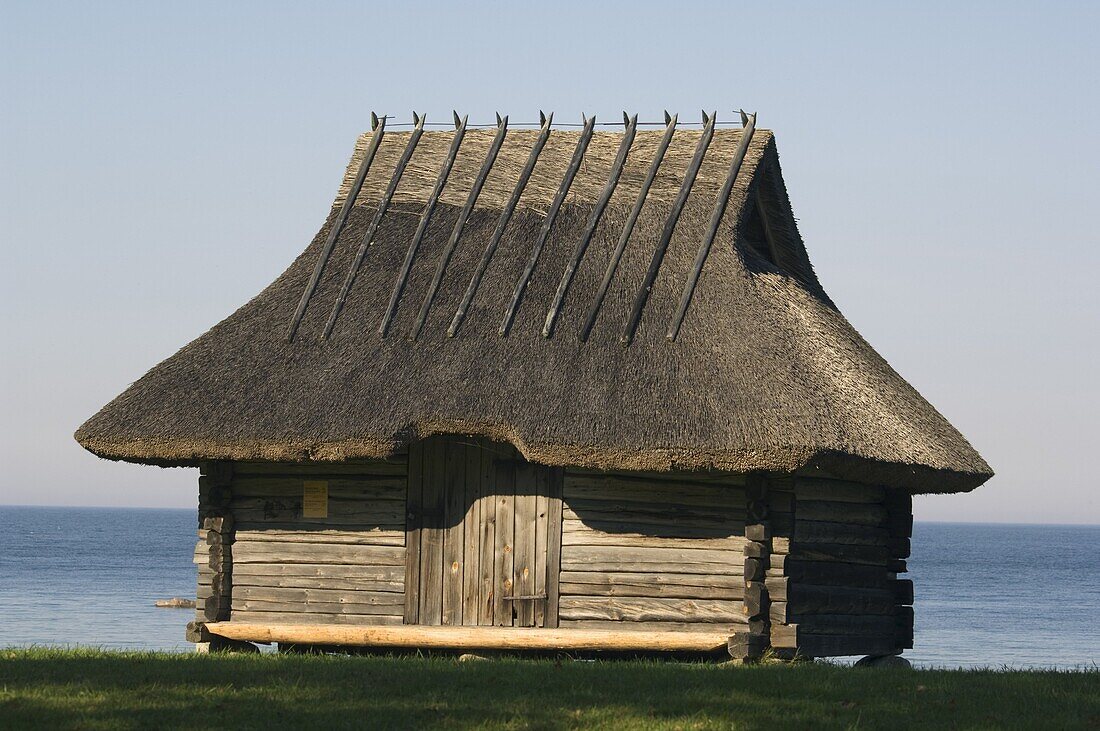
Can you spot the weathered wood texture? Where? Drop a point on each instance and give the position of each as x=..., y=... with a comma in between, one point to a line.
x=346, y=568
x=473, y=638
x=660, y=551
x=213, y=554
x=487, y=528
x=831, y=576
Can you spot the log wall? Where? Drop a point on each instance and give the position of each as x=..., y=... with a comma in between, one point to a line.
x=651, y=552
x=278, y=566
x=833, y=552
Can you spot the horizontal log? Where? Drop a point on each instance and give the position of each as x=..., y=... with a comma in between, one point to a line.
x=318, y=470
x=617, y=625
x=841, y=491
x=648, y=494
x=261, y=617
x=758, y=532
x=687, y=586
x=902, y=590
x=372, y=537
x=577, y=533
x=756, y=549
x=812, y=599
x=367, y=488
x=820, y=645
x=654, y=514
x=473, y=638
x=340, y=512
x=825, y=573
x=781, y=502
x=654, y=560
x=218, y=524
x=245, y=552
x=676, y=479
x=834, y=624
x=755, y=569
x=600, y=578
x=835, y=552
x=756, y=600
x=747, y=645
x=255, y=605
x=838, y=512
x=252, y=572
x=813, y=531
x=899, y=547
x=309, y=582
x=311, y=595
x=636, y=609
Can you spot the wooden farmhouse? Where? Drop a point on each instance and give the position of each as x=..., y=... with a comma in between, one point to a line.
x=558, y=388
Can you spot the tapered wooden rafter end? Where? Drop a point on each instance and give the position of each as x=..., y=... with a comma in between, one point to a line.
x=499, y=120
x=373, y=121
x=668, y=118
x=458, y=120
x=744, y=118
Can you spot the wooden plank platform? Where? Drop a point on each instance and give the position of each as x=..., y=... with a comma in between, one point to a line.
x=473, y=638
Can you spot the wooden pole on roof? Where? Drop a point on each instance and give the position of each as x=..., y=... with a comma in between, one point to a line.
x=368, y=237
x=716, y=215
x=628, y=228
x=506, y=214
x=666, y=235
x=422, y=227
x=378, y=128
x=464, y=216
x=593, y=220
x=547, y=224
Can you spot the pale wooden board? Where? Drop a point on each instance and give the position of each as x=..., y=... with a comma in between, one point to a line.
x=245, y=552
x=378, y=488
x=542, y=510
x=503, y=551
x=487, y=540
x=414, y=519
x=454, y=540
x=650, y=609
x=553, y=547
x=431, y=543
x=302, y=534
x=390, y=572
x=524, y=563
x=471, y=552
x=263, y=617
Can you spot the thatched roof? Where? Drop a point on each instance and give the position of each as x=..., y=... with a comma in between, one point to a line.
x=765, y=373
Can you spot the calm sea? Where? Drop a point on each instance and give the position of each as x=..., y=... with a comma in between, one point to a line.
x=987, y=595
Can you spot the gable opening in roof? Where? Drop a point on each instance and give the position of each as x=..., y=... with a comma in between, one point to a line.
x=757, y=232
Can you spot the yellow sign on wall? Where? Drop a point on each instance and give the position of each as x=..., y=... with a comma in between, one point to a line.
x=314, y=499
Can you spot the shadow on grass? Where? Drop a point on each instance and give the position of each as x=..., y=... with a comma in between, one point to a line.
x=88, y=689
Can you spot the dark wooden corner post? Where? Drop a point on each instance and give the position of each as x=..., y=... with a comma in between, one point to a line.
x=750, y=645
x=213, y=554
x=899, y=522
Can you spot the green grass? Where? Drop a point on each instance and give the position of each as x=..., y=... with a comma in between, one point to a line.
x=93, y=690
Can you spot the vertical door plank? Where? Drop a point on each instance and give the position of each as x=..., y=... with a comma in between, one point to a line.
x=542, y=508
x=524, y=566
x=413, y=520
x=471, y=564
x=454, y=543
x=503, y=551
x=431, y=540
x=556, y=477
x=486, y=597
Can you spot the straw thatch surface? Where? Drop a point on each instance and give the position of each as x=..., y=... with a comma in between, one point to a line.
x=766, y=373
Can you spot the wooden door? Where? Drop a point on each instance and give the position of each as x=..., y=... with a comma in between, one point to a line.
x=483, y=536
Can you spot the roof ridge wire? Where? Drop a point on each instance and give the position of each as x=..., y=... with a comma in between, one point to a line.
x=378, y=127
x=422, y=227
x=460, y=224
x=593, y=221
x=547, y=224
x=368, y=237
x=502, y=223
x=628, y=227
x=720, y=204
x=666, y=235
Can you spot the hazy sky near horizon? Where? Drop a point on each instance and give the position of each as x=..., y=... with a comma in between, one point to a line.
x=162, y=162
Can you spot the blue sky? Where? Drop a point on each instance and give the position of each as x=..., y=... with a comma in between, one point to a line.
x=164, y=161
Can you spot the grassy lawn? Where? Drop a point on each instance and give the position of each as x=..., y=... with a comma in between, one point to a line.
x=90, y=689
